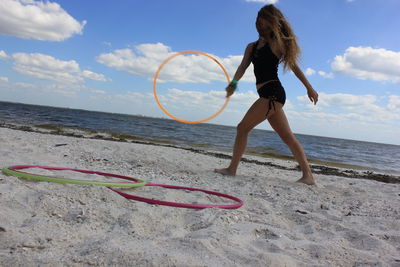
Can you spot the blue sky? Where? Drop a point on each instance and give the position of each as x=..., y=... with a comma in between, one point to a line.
x=102, y=55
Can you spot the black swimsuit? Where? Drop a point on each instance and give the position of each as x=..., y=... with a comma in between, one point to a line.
x=266, y=70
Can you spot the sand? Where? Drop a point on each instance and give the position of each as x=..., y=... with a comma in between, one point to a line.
x=341, y=222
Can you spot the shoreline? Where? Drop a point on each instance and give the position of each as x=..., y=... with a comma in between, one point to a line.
x=317, y=166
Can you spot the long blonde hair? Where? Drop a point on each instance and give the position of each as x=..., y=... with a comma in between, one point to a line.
x=281, y=35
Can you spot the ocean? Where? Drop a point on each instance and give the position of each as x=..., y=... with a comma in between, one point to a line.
x=383, y=158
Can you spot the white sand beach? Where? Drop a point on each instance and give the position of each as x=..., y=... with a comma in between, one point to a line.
x=340, y=222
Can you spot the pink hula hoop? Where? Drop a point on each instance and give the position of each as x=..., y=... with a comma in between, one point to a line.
x=183, y=205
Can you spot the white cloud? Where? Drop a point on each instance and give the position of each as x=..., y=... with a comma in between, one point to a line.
x=345, y=100
x=187, y=98
x=94, y=76
x=98, y=92
x=310, y=71
x=369, y=63
x=144, y=64
x=146, y=59
x=325, y=75
x=37, y=20
x=264, y=1
x=46, y=67
x=3, y=54
x=394, y=103
x=363, y=108
x=339, y=126
x=22, y=89
x=358, y=117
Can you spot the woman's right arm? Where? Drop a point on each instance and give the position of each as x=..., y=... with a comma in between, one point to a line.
x=246, y=60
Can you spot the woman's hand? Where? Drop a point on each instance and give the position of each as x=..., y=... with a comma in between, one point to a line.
x=312, y=95
x=230, y=89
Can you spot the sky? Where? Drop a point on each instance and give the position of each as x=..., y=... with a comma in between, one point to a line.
x=103, y=55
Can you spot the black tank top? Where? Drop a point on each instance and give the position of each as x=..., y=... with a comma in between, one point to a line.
x=265, y=63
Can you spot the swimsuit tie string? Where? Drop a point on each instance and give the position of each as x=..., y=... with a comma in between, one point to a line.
x=271, y=105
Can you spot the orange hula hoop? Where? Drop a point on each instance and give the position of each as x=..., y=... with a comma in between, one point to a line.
x=155, y=86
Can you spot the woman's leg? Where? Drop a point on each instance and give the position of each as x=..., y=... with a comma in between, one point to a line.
x=254, y=116
x=280, y=124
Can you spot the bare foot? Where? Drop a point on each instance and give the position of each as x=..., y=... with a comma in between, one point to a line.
x=225, y=171
x=309, y=180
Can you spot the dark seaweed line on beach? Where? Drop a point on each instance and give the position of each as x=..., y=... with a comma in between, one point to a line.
x=318, y=169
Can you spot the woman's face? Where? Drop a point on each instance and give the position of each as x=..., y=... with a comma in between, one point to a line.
x=262, y=27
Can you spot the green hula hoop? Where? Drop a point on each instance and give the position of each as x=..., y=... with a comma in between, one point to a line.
x=14, y=170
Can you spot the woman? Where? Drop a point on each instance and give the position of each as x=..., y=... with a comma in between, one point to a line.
x=276, y=43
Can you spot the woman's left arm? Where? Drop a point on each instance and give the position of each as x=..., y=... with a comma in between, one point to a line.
x=312, y=94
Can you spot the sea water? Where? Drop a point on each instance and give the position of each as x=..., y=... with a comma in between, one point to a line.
x=372, y=156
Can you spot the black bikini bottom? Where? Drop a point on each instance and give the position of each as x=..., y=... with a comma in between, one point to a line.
x=274, y=91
